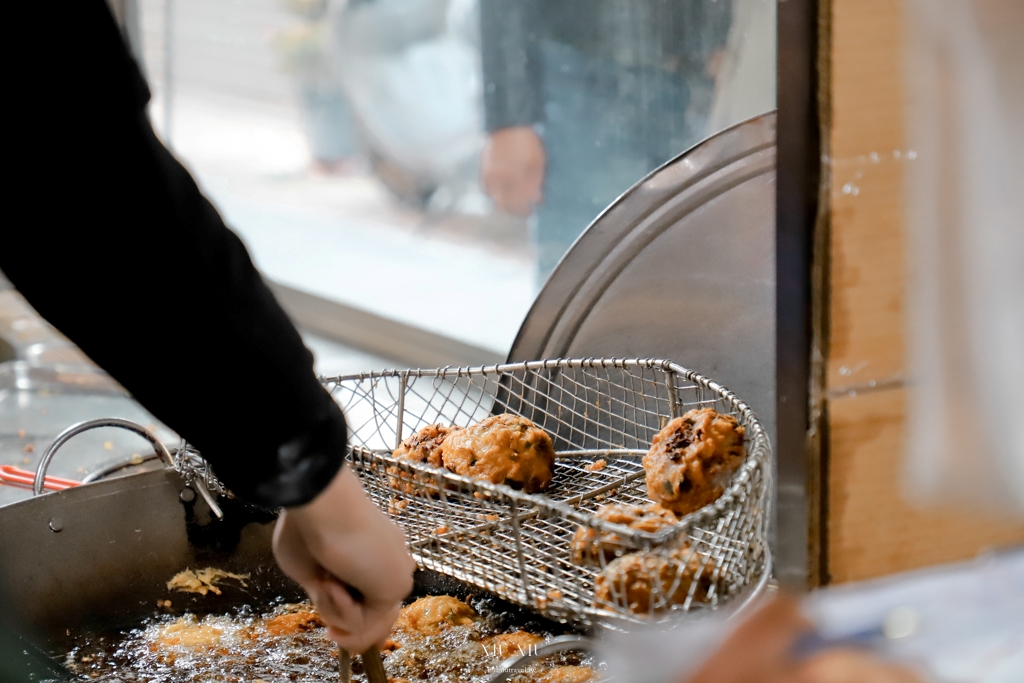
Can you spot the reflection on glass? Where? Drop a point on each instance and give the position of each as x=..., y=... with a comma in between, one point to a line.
x=431, y=160
x=584, y=97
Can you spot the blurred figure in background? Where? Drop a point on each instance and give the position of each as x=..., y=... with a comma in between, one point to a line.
x=745, y=79
x=305, y=50
x=582, y=98
x=410, y=70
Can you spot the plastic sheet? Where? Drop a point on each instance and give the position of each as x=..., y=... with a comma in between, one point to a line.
x=965, y=218
x=958, y=622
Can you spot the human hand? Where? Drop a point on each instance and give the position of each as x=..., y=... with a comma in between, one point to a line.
x=512, y=169
x=761, y=650
x=852, y=666
x=350, y=559
x=758, y=651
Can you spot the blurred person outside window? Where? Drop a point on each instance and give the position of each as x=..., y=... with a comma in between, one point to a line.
x=582, y=98
x=410, y=70
x=305, y=51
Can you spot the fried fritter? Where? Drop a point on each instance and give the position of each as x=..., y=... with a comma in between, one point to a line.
x=692, y=460
x=502, y=449
x=430, y=615
x=646, y=582
x=187, y=632
x=214, y=632
x=425, y=446
x=287, y=624
x=589, y=545
x=568, y=674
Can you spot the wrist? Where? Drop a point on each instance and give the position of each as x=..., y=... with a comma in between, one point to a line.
x=340, y=499
x=532, y=130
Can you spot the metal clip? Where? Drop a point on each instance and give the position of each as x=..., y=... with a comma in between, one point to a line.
x=198, y=476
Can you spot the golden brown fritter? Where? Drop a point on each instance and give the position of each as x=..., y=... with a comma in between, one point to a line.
x=502, y=449
x=589, y=545
x=568, y=674
x=222, y=634
x=692, y=460
x=424, y=446
x=189, y=633
x=287, y=624
x=506, y=645
x=430, y=615
x=645, y=582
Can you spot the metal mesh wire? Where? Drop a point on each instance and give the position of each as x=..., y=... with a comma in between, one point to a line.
x=519, y=545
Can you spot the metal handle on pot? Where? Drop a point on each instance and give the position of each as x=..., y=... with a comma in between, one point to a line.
x=76, y=429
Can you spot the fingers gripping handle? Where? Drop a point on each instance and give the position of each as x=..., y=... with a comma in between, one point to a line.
x=373, y=666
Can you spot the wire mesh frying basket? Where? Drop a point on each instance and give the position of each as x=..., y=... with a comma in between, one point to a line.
x=530, y=548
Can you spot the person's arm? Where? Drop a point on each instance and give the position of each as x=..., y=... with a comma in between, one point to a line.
x=509, y=45
x=118, y=249
x=123, y=254
x=514, y=159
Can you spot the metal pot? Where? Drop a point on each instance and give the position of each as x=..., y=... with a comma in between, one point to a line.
x=101, y=554
x=98, y=557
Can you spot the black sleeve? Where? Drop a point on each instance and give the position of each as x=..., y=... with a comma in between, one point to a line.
x=511, y=63
x=118, y=249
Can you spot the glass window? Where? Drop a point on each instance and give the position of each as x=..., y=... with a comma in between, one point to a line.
x=429, y=161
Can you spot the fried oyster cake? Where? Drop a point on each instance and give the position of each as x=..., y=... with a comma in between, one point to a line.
x=436, y=638
x=649, y=583
x=568, y=674
x=432, y=614
x=590, y=545
x=692, y=460
x=502, y=449
x=424, y=446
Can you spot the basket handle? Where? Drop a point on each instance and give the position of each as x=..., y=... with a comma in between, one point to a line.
x=76, y=429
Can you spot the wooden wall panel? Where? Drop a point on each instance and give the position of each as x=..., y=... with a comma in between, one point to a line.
x=871, y=530
x=866, y=166
x=867, y=277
